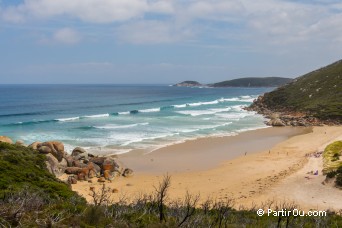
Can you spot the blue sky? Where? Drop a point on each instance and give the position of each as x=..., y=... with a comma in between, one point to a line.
x=165, y=41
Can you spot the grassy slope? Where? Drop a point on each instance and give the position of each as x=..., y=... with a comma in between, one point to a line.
x=254, y=82
x=318, y=93
x=22, y=167
x=331, y=161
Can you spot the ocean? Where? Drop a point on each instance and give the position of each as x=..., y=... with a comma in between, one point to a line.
x=114, y=119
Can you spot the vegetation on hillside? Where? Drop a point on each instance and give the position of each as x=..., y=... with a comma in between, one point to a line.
x=332, y=162
x=254, y=82
x=318, y=93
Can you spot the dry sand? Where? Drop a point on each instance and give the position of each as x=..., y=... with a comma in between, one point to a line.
x=274, y=168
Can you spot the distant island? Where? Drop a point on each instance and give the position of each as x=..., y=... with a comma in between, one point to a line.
x=312, y=99
x=241, y=82
x=189, y=84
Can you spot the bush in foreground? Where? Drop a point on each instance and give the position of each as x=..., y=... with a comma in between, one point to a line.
x=31, y=209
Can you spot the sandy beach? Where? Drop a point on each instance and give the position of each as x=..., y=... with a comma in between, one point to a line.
x=251, y=168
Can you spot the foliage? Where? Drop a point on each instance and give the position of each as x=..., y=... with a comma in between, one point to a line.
x=254, y=82
x=331, y=161
x=318, y=93
x=338, y=180
x=22, y=167
x=31, y=209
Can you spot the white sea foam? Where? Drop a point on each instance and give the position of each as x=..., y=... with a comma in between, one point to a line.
x=150, y=110
x=97, y=116
x=204, y=103
x=229, y=99
x=203, y=112
x=123, y=113
x=238, y=107
x=180, y=106
x=239, y=99
x=233, y=116
x=68, y=119
x=115, y=126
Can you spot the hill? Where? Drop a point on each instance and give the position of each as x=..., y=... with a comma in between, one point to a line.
x=188, y=84
x=253, y=82
x=241, y=82
x=316, y=94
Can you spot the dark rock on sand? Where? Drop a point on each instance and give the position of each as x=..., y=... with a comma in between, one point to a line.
x=83, y=156
x=77, y=151
x=70, y=160
x=109, y=164
x=127, y=172
x=72, y=180
x=73, y=170
x=98, y=160
x=95, y=167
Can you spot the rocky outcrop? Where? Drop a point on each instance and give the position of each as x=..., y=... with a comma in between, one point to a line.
x=20, y=143
x=54, y=147
x=6, y=139
x=54, y=167
x=286, y=117
x=72, y=179
x=73, y=170
x=77, y=151
x=276, y=122
x=80, y=166
x=34, y=145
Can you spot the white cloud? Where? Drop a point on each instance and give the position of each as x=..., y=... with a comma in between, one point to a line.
x=95, y=11
x=13, y=14
x=271, y=22
x=66, y=36
x=152, y=32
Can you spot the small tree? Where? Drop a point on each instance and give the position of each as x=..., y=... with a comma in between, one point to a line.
x=161, y=196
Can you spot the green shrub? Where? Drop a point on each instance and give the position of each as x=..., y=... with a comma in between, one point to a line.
x=23, y=167
x=338, y=180
x=331, y=174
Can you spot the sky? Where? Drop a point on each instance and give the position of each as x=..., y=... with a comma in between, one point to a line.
x=165, y=41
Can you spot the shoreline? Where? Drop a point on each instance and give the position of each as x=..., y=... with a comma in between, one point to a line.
x=207, y=152
x=248, y=179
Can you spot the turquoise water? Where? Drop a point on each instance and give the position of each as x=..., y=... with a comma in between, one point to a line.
x=120, y=118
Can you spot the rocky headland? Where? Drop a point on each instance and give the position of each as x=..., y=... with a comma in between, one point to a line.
x=313, y=99
x=288, y=117
x=79, y=165
x=240, y=82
